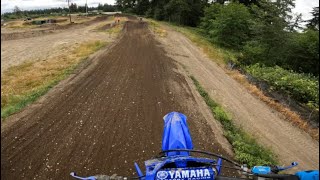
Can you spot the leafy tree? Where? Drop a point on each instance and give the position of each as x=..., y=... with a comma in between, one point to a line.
x=82, y=9
x=159, y=13
x=100, y=7
x=73, y=7
x=210, y=15
x=125, y=5
x=268, y=35
x=141, y=7
x=17, y=11
x=219, y=1
x=197, y=10
x=314, y=22
x=246, y=2
x=158, y=10
x=177, y=10
x=303, y=52
x=230, y=27
x=295, y=23
x=108, y=8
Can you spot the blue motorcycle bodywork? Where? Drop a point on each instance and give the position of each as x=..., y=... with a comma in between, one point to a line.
x=176, y=165
x=179, y=165
x=308, y=175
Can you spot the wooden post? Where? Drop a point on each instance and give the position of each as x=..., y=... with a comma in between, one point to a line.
x=69, y=10
x=86, y=8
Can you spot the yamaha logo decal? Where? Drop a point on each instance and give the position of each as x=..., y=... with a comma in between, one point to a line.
x=162, y=175
x=185, y=174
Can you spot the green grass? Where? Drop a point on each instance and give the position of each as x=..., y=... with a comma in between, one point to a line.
x=247, y=150
x=218, y=54
x=18, y=102
x=23, y=84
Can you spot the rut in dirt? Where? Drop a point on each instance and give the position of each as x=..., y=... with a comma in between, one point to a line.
x=107, y=120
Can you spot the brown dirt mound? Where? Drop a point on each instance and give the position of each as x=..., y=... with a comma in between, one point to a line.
x=21, y=35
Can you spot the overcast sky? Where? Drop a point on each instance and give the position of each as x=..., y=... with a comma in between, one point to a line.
x=8, y=5
x=302, y=6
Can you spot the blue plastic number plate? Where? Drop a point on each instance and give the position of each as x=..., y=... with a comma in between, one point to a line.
x=185, y=174
x=261, y=170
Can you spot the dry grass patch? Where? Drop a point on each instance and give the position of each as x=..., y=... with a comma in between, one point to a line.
x=291, y=116
x=23, y=84
x=156, y=28
x=18, y=24
x=116, y=29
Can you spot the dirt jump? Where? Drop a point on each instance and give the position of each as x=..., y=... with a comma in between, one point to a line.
x=107, y=116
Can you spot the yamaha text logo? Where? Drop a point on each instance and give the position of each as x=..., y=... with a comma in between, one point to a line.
x=191, y=174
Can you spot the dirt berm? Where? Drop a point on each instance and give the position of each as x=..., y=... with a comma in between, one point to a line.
x=103, y=119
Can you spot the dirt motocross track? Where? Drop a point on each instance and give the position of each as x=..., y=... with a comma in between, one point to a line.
x=105, y=118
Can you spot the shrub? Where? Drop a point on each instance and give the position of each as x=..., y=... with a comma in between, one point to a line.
x=302, y=87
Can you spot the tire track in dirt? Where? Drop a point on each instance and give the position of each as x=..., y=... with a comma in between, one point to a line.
x=106, y=118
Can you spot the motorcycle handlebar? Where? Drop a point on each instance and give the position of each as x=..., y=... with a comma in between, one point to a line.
x=114, y=177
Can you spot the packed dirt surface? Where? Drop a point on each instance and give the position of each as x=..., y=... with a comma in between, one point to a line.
x=106, y=117
x=15, y=52
x=269, y=128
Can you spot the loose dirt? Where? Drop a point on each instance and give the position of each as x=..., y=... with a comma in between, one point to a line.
x=104, y=118
x=269, y=128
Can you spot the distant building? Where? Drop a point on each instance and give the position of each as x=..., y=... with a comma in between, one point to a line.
x=112, y=13
x=94, y=12
x=101, y=12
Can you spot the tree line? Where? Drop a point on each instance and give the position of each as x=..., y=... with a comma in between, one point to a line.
x=74, y=8
x=263, y=31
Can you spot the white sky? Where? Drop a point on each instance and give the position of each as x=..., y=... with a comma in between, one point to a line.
x=8, y=5
x=302, y=6
x=305, y=7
